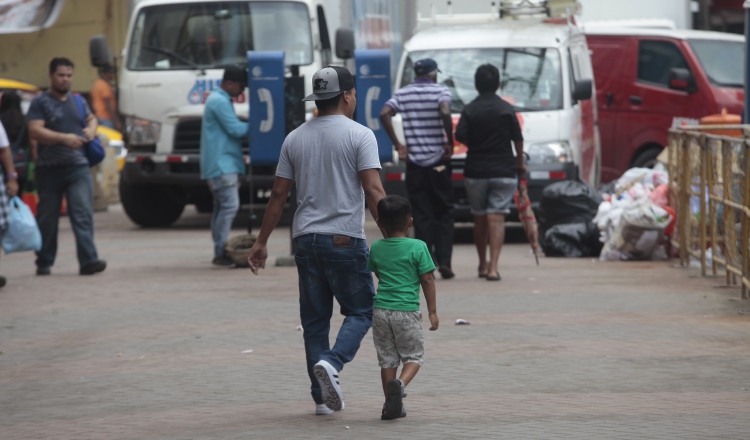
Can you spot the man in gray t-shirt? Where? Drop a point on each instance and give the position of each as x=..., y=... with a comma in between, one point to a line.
x=62, y=170
x=334, y=162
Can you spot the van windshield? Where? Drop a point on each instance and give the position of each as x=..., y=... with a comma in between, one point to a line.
x=214, y=34
x=723, y=61
x=530, y=78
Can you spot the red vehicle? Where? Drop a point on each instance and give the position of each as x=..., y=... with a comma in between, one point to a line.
x=648, y=80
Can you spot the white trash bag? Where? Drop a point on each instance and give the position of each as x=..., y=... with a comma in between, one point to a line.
x=638, y=234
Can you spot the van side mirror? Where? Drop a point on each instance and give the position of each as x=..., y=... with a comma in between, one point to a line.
x=99, y=51
x=344, y=43
x=681, y=79
x=582, y=90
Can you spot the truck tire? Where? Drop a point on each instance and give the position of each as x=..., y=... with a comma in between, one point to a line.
x=647, y=159
x=150, y=207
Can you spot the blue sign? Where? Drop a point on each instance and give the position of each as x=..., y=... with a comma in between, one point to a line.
x=373, y=90
x=267, y=123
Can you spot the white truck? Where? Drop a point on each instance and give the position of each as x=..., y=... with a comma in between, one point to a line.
x=546, y=74
x=173, y=58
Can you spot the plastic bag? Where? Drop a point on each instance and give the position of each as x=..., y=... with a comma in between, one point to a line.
x=568, y=202
x=660, y=195
x=645, y=176
x=22, y=233
x=572, y=240
x=638, y=234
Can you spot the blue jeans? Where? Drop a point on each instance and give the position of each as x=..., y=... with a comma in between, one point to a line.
x=326, y=271
x=75, y=183
x=225, y=189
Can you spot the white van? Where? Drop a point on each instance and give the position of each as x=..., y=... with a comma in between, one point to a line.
x=545, y=73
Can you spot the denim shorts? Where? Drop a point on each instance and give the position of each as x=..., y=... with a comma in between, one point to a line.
x=490, y=196
x=398, y=337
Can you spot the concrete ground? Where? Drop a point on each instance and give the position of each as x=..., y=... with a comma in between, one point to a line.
x=572, y=349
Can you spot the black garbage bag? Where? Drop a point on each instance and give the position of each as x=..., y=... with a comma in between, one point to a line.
x=573, y=240
x=568, y=202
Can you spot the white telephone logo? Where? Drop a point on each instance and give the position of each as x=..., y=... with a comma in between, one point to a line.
x=265, y=96
x=373, y=93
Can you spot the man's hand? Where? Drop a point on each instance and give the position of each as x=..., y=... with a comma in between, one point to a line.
x=257, y=257
x=89, y=134
x=434, y=321
x=12, y=186
x=403, y=153
x=73, y=140
x=447, y=152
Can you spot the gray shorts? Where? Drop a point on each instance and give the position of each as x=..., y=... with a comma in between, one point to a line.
x=490, y=196
x=398, y=337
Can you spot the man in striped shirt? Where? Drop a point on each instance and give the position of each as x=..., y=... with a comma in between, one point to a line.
x=425, y=108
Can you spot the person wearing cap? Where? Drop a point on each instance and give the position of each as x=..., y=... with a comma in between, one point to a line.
x=221, y=158
x=428, y=128
x=334, y=163
x=103, y=100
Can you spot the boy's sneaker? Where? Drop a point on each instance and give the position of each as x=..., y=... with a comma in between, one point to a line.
x=322, y=410
x=394, y=404
x=328, y=378
x=384, y=416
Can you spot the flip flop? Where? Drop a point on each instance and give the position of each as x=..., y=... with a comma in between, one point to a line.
x=494, y=278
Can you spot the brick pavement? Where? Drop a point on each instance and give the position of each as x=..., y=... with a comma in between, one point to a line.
x=574, y=349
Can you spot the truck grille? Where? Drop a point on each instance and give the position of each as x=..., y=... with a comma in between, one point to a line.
x=187, y=136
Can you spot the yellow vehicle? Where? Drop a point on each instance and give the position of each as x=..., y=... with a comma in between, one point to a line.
x=29, y=91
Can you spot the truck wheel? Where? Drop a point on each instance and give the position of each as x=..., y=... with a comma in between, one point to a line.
x=647, y=159
x=150, y=207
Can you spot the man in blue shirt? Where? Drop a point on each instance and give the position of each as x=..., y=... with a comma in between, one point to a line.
x=221, y=156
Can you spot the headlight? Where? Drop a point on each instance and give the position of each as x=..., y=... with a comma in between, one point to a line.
x=549, y=152
x=143, y=132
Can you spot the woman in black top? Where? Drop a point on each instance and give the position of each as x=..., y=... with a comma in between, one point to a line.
x=487, y=126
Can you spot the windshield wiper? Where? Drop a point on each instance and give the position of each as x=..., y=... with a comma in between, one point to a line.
x=176, y=56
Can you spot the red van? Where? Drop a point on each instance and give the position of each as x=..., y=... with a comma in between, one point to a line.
x=648, y=80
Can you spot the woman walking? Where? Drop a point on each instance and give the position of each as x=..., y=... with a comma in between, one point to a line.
x=487, y=126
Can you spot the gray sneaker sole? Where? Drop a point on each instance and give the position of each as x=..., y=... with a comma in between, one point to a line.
x=331, y=396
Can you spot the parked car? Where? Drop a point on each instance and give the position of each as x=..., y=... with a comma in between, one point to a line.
x=649, y=80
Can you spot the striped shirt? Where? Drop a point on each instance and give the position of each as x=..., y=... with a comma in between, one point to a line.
x=419, y=105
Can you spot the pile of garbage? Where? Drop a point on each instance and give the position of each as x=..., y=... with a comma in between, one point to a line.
x=635, y=219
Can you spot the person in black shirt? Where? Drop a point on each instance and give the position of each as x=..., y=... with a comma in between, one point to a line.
x=487, y=126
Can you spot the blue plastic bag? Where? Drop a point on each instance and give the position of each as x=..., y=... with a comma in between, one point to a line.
x=22, y=233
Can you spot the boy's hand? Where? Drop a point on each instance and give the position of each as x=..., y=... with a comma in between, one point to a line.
x=257, y=257
x=434, y=322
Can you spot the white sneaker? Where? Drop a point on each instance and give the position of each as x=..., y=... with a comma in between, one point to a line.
x=328, y=378
x=322, y=410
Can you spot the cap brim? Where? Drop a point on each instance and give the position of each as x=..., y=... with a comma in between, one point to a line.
x=322, y=96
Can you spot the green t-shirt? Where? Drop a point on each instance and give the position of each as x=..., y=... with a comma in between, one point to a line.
x=399, y=262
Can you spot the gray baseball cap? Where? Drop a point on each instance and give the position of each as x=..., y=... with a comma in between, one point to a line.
x=330, y=82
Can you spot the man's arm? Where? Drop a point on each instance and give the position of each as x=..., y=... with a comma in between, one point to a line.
x=520, y=165
x=229, y=120
x=280, y=192
x=6, y=157
x=39, y=133
x=462, y=129
x=386, y=113
x=109, y=102
x=91, y=125
x=373, y=188
x=446, y=117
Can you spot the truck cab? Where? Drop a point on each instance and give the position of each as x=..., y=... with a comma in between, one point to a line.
x=649, y=80
x=546, y=75
x=173, y=58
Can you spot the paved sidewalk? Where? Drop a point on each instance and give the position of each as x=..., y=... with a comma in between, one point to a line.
x=573, y=349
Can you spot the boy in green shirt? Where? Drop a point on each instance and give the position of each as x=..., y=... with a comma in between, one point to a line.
x=401, y=264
